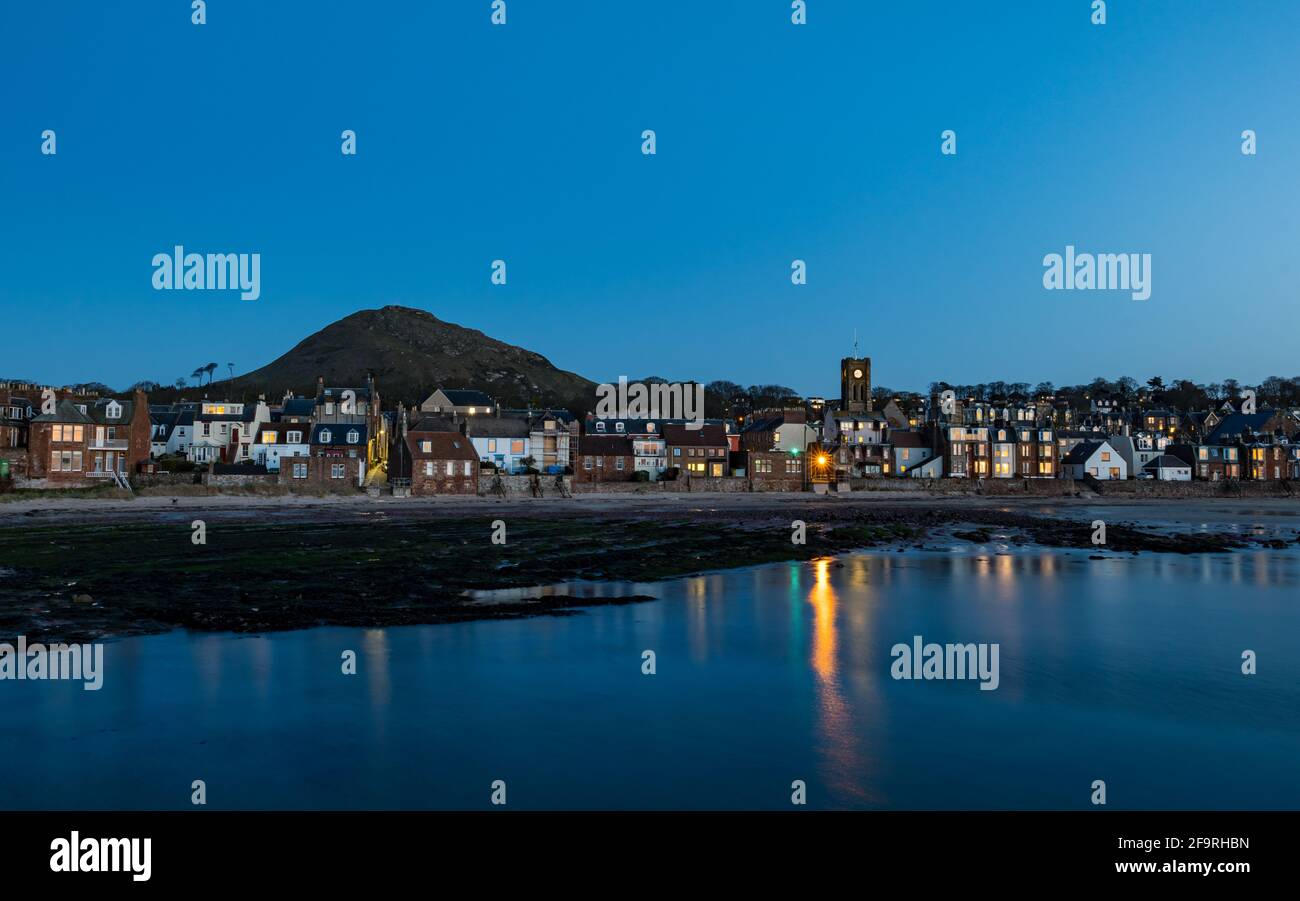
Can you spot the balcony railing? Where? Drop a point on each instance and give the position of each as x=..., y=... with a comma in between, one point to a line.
x=113, y=444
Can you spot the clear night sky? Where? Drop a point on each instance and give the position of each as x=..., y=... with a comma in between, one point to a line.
x=775, y=142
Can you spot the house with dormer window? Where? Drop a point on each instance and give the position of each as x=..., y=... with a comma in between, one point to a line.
x=276, y=440
x=436, y=458
x=89, y=440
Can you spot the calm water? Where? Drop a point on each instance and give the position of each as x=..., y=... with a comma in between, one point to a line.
x=1126, y=670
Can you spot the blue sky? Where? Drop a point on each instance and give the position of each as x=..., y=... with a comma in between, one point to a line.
x=775, y=142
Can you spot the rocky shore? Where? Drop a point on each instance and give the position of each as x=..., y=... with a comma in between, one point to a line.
x=79, y=574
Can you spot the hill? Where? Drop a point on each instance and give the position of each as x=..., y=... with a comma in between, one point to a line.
x=412, y=352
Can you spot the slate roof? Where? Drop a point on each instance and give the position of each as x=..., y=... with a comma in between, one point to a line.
x=281, y=429
x=496, y=427
x=299, y=406
x=605, y=446
x=766, y=424
x=1167, y=461
x=434, y=424
x=1082, y=451
x=630, y=426
x=338, y=434
x=708, y=436
x=1235, y=424
x=443, y=446
x=64, y=411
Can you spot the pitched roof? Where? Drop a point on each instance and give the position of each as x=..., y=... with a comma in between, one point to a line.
x=901, y=438
x=766, y=424
x=442, y=446
x=630, y=426
x=281, y=429
x=1167, y=461
x=299, y=406
x=706, y=436
x=1082, y=451
x=335, y=434
x=434, y=424
x=605, y=446
x=65, y=411
x=1235, y=424
x=496, y=427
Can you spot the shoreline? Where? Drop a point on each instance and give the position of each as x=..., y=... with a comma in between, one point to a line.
x=87, y=570
x=250, y=507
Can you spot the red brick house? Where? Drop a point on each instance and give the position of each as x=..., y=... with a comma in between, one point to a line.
x=1266, y=461
x=331, y=473
x=697, y=452
x=605, y=458
x=437, y=458
x=84, y=441
x=775, y=470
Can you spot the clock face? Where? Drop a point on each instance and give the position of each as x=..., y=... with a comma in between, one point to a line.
x=857, y=373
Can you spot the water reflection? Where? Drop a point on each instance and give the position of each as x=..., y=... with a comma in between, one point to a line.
x=844, y=769
x=767, y=675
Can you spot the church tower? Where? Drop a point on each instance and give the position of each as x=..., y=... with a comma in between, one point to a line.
x=855, y=384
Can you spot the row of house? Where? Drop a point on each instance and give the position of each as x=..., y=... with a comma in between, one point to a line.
x=342, y=437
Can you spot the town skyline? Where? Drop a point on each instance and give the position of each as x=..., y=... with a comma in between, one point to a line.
x=1229, y=383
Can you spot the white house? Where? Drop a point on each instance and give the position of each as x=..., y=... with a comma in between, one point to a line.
x=1139, y=449
x=1168, y=468
x=224, y=431
x=173, y=432
x=1098, y=459
x=280, y=439
x=910, y=451
x=651, y=455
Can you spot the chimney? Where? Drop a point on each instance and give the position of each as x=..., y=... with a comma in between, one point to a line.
x=320, y=385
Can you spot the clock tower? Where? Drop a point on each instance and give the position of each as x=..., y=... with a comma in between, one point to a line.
x=855, y=384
